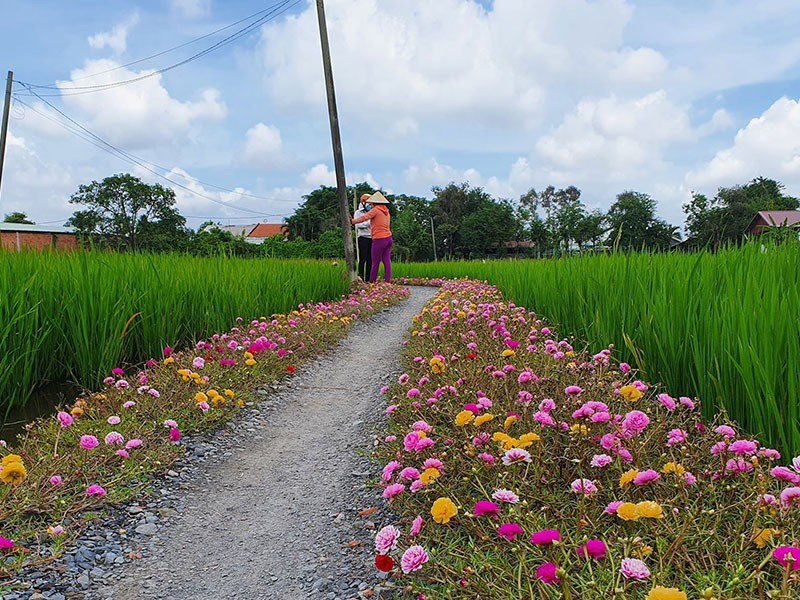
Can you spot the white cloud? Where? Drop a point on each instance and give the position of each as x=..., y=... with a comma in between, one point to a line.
x=138, y=114
x=639, y=66
x=117, y=38
x=320, y=174
x=768, y=146
x=191, y=8
x=263, y=146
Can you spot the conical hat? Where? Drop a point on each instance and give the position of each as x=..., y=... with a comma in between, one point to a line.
x=377, y=198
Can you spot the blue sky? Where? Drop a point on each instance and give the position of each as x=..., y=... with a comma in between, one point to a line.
x=664, y=98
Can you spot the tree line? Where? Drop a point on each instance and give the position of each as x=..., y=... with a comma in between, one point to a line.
x=123, y=213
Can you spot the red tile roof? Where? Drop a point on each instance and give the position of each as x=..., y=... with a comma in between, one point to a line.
x=266, y=230
x=774, y=218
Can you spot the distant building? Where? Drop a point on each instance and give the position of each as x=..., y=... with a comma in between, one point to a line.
x=765, y=219
x=256, y=233
x=16, y=236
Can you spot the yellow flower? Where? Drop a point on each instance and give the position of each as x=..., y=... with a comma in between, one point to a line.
x=248, y=354
x=582, y=429
x=662, y=593
x=649, y=510
x=229, y=393
x=200, y=397
x=11, y=458
x=464, y=417
x=169, y=360
x=76, y=411
x=673, y=467
x=761, y=537
x=14, y=472
x=184, y=372
x=526, y=439
x=240, y=403
x=627, y=512
x=630, y=393
x=437, y=366
x=443, y=510
x=461, y=314
x=508, y=352
x=485, y=418
x=428, y=475
x=509, y=421
x=627, y=477
x=645, y=550
x=249, y=362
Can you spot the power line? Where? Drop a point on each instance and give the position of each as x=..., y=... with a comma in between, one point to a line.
x=272, y=13
x=99, y=142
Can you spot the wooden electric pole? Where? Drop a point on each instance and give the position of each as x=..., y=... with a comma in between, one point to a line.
x=4, y=126
x=338, y=161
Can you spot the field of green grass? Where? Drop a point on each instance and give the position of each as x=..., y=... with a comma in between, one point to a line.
x=723, y=327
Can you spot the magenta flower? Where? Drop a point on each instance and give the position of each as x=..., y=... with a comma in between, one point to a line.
x=646, y=477
x=6, y=543
x=633, y=568
x=486, y=457
x=433, y=463
x=593, y=548
x=788, y=556
x=88, y=442
x=667, y=401
x=133, y=443
x=586, y=487
x=612, y=507
x=170, y=424
x=572, y=390
x=601, y=460
x=790, y=496
x=392, y=490
x=546, y=573
x=507, y=496
x=198, y=362
x=56, y=480
x=485, y=508
x=129, y=404
x=743, y=447
x=389, y=470
x=785, y=474
x=676, y=436
x=95, y=490
x=65, y=419
x=114, y=438
x=113, y=420
x=687, y=402
x=409, y=473
x=544, y=537
x=634, y=423
x=515, y=455
x=174, y=435
x=416, y=525
x=509, y=531
x=386, y=539
x=123, y=453
x=725, y=430
x=413, y=559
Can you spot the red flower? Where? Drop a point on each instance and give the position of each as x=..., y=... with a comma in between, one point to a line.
x=290, y=368
x=472, y=356
x=384, y=562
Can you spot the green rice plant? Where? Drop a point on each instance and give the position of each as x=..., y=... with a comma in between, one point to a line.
x=722, y=327
x=74, y=316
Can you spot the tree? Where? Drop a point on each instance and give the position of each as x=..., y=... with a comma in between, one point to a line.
x=484, y=230
x=725, y=218
x=411, y=228
x=210, y=240
x=124, y=212
x=319, y=212
x=451, y=204
x=634, y=225
x=20, y=218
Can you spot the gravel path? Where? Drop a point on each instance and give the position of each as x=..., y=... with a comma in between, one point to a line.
x=269, y=507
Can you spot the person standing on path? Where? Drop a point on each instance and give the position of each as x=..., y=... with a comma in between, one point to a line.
x=364, y=240
x=379, y=218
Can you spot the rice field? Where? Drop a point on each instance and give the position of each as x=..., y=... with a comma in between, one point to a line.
x=73, y=317
x=723, y=327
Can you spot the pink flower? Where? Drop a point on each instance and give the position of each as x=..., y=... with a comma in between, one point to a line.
x=544, y=418
x=198, y=363
x=56, y=480
x=167, y=351
x=508, y=496
x=725, y=430
x=624, y=367
x=122, y=384
x=796, y=463
x=676, y=436
x=634, y=423
x=546, y=573
x=416, y=525
x=433, y=463
x=129, y=404
x=633, y=568
x=687, y=402
x=413, y=559
x=738, y=465
x=545, y=537
x=65, y=419
x=134, y=443
x=668, y=401
x=174, y=435
x=611, y=508
x=790, y=496
x=113, y=420
x=785, y=474
x=592, y=549
x=509, y=531
x=170, y=424
x=646, y=477
x=114, y=438
x=88, y=442
x=389, y=470
x=123, y=453
x=421, y=426
x=572, y=390
x=95, y=490
x=689, y=478
x=743, y=447
x=485, y=508
x=203, y=406
x=56, y=530
x=153, y=392
x=586, y=487
x=788, y=556
x=392, y=490
x=547, y=405
x=487, y=458
x=108, y=380
x=6, y=543
x=409, y=473
x=515, y=455
x=386, y=539
x=601, y=460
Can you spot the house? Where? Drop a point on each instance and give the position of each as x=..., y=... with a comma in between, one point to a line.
x=256, y=233
x=766, y=219
x=16, y=236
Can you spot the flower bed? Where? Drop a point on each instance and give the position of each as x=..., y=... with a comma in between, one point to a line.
x=103, y=448
x=520, y=467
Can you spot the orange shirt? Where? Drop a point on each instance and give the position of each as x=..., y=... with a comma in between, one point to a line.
x=378, y=219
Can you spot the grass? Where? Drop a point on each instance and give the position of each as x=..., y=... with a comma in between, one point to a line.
x=74, y=316
x=722, y=327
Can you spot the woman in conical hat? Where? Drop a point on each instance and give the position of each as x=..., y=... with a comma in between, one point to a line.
x=379, y=218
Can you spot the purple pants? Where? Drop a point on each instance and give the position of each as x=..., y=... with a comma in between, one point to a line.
x=381, y=253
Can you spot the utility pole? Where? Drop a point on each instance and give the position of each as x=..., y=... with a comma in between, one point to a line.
x=4, y=127
x=433, y=237
x=338, y=161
